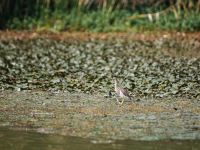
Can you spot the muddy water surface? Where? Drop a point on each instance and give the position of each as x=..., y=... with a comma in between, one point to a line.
x=23, y=140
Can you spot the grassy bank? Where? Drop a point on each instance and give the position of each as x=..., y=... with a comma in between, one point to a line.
x=101, y=16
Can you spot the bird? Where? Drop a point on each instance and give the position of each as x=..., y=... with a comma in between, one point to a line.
x=121, y=92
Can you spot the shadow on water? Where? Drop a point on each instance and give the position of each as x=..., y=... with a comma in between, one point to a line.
x=23, y=140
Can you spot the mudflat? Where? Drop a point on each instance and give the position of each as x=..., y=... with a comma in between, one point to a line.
x=62, y=83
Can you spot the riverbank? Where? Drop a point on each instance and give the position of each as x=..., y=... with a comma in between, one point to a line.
x=100, y=118
x=61, y=83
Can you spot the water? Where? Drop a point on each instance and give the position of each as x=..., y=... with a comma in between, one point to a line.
x=29, y=140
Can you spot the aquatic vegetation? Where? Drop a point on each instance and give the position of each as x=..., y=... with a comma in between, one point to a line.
x=148, y=68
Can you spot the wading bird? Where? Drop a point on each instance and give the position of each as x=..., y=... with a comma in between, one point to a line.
x=121, y=93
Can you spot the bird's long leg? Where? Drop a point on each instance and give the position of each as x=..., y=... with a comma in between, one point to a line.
x=117, y=100
x=120, y=103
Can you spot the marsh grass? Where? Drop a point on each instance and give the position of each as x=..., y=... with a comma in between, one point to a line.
x=99, y=15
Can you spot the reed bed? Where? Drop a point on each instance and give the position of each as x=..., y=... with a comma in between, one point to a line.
x=100, y=15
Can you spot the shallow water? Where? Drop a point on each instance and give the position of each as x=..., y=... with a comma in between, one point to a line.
x=23, y=140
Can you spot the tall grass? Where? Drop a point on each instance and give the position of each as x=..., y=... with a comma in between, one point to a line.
x=99, y=15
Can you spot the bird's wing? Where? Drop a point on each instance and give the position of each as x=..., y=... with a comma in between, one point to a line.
x=125, y=92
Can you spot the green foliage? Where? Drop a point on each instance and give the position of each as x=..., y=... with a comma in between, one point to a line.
x=98, y=21
x=110, y=15
x=190, y=22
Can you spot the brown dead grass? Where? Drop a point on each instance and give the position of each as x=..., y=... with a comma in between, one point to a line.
x=186, y=38
x=85, y=36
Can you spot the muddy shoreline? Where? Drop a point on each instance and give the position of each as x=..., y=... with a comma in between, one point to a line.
x=53, y=83
x=97, y=117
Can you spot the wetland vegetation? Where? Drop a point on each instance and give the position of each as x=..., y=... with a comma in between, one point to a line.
x=60, y=83
x=101, y=15
x=156, y=68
